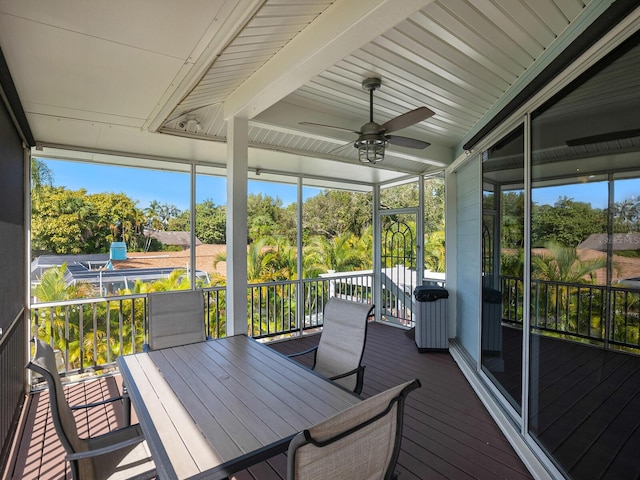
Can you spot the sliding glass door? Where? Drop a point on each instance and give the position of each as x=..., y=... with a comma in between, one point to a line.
x=503, y=265
x=584, y=361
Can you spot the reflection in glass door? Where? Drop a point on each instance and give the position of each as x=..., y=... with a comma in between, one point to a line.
x=584, y=361
x=503, y=265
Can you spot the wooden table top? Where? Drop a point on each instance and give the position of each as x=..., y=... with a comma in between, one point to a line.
x=212, y=408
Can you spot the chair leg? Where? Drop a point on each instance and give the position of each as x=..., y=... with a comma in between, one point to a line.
x=126, y=406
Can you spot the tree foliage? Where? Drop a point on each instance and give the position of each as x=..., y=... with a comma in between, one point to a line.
x=211, y=222
x=567, y=222
x=334, y=212
x=561, y=264
x=67, y=221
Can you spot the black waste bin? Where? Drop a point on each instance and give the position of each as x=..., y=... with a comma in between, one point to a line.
x=432, y=332
x=491, y=321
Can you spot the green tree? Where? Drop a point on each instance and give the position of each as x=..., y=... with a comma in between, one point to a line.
x=512, y=219
x=434, y=252
x=342, y=253
x=434, y=206
x=41, y=175
x=561, y=264
x=567, y=222
x=263, y=217
x=118, y=219
x=335, y=212
x=211, y=222
x=61, y=221
x=67, y=221
x=159, y=215
x=625, y=216
x=561, y=269
x=400, y=196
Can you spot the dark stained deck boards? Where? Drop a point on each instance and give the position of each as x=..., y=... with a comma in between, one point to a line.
x=448, y=434
x=588, y=404
x=39, y=452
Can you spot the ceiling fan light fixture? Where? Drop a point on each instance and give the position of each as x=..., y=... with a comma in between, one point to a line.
x=371, y=150
x=373, y=138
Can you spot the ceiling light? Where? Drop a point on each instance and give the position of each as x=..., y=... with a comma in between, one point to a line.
x=190, y=122
x=371, y=150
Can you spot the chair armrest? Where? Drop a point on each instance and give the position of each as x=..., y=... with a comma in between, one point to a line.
x=312, y=349
x=108, y=449
x=97, y=404
x=359, y=379
x=347, y=374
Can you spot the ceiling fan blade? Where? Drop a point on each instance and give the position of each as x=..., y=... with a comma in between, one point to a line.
x=407, y=119
x=406, y=142
x=339, y=147
x=329, y=126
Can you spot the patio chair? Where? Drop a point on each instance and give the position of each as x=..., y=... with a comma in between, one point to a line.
x=359, y=443
x=338, y=355
x=175, y=318
x=118, y=454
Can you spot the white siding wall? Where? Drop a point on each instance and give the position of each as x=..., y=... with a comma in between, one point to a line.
x=468, y=216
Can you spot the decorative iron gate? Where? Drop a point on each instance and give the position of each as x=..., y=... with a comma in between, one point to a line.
x=398, y=265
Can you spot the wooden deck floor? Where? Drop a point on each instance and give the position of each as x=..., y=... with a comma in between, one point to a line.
x=585, y=405
x=447, y=434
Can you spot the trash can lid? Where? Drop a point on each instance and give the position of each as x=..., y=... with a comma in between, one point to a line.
x=430, y=293
x=491, y=295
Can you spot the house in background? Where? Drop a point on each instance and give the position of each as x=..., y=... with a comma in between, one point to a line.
x=529, y=97
x=171, y=239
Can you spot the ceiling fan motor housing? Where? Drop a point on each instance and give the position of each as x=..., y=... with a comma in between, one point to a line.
x=370, y=84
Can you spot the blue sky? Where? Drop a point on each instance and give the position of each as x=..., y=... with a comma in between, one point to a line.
x=145, y=185
x=595, y=193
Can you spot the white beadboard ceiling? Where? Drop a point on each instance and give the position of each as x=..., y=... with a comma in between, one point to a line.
x=158, y=78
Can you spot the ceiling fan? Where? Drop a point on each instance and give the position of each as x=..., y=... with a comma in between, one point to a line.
x=374, y=138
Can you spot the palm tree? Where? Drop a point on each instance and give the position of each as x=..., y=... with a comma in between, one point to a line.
x=63, y=322
x=434, y=252
x=41, y=175
x=342, y=253
x=561, y=264
x=561, y=267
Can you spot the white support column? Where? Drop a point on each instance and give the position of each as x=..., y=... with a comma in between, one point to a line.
x=192, y=230
x=377, y=252
x=300, y=290
x=237, y=164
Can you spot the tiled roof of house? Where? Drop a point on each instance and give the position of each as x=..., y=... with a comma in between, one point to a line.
x=181, y=239
x=619, y=241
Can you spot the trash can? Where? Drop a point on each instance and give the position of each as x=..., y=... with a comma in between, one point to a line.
x=431, y=332
x=491, y=321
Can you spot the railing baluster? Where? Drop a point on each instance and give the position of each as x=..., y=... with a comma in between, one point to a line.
x=81, y=335
x=121, y=325
x=108, y=328
x=95, y=337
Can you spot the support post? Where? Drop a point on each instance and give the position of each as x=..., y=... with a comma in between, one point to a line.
x=237, y=165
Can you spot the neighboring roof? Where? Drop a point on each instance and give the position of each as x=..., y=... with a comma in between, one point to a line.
x=44, y=262
x=619, y=241
x=79, y=273
x=180, y=239
x=206, y=256
x=57, y=260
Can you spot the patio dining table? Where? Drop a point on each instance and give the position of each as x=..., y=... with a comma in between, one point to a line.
x=212, y=408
